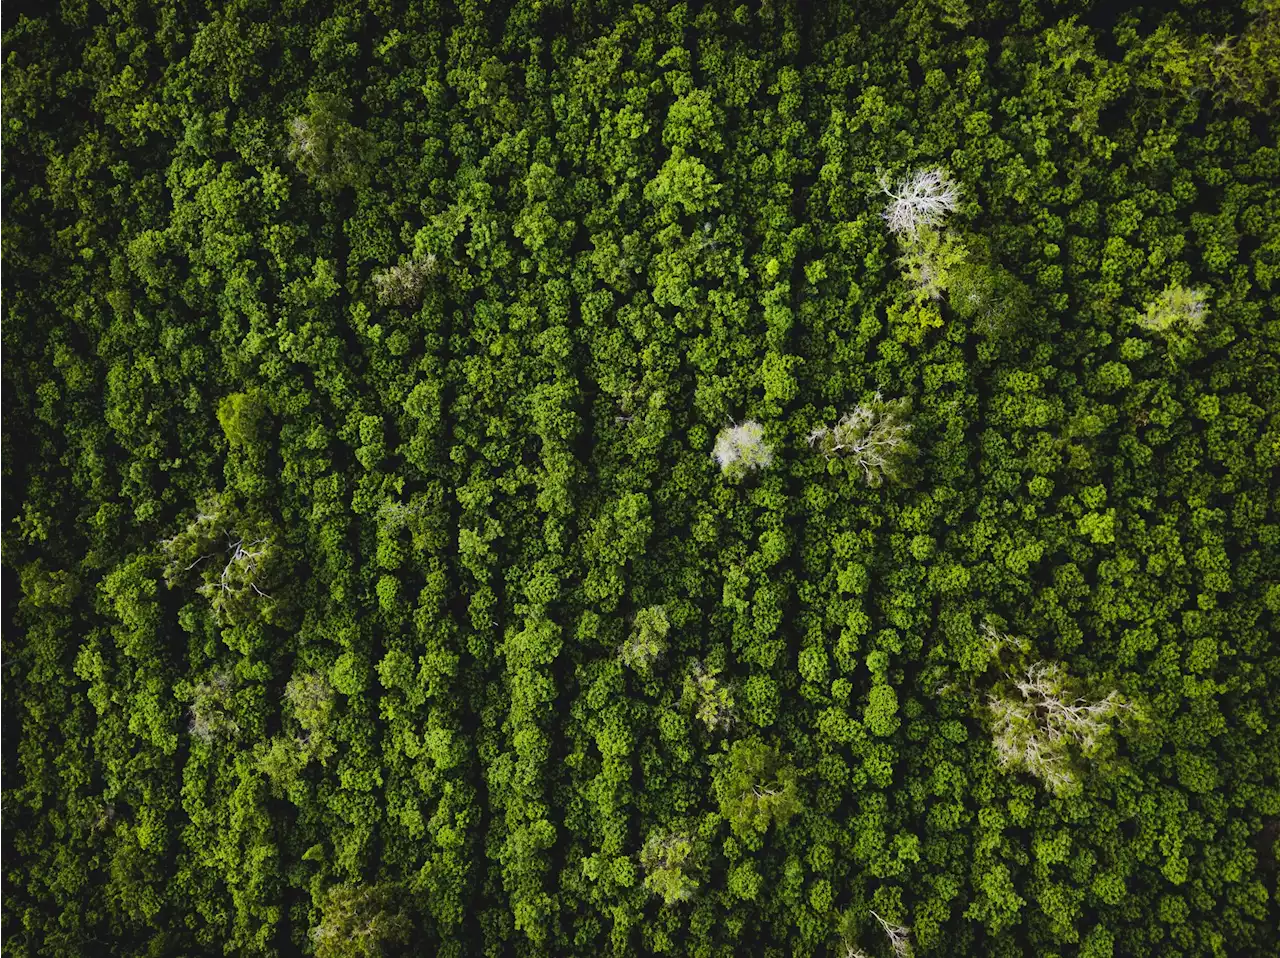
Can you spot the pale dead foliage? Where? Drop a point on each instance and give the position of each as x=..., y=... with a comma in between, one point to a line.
x=741, y=448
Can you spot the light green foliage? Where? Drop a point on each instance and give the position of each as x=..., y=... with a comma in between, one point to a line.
x=756, y=788
x=709, y=697
x=241, y=415
x=310, y=696
x=881, y=716
x=1176, y=310
x=930, y=260
x=647, y=641
x=668, y=862
x=761, y=700
x=281, y=760
x=1238, y=69
x=683, y=185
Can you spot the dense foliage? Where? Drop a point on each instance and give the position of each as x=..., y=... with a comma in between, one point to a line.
x=589, y=478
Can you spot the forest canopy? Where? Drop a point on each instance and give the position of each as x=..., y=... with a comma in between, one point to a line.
x=561, y=477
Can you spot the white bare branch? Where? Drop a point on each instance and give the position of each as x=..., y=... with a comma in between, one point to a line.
x=898, y=935
x=921, y=199
x=402, y=284
x=875, y=436
x=1040, y=730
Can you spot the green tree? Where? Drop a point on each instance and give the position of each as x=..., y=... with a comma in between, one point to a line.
x=1177, y=310
x=647, y=641
x=709, y=697
x=241, y=416
x=668, y=860
x=755, y=788
x=360, y=921
x=327, y=149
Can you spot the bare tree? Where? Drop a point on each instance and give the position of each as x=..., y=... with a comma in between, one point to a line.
x=219, y=533
x=241, y=569
x=923, y=198
x=898, y=935
x=360, y=920
x=211, y=709
x=402, y=284
x=997, y=642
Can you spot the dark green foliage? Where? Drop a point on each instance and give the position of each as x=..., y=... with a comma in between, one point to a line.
x=240, y=415
x=327, y=148
x=410, y=538
x=360, y=922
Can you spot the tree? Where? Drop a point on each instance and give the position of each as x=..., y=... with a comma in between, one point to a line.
x=874, y=436
x=1043, y=724
x=993, y=299
x=683, y=182
x=740, y=448
x=360, y=920
x=212, y=706
x=929, y=260
x=240, y=415
x=666, y=859
x=711, y=699
x=1176, y=310
x=899, y=937
x=402, y=284
x=394, y=516
x=238, y=558
x=648, y=639
x=755, y=788
x=881, y=714
x=310, y=696
x=921, y=199
x=329, y=151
